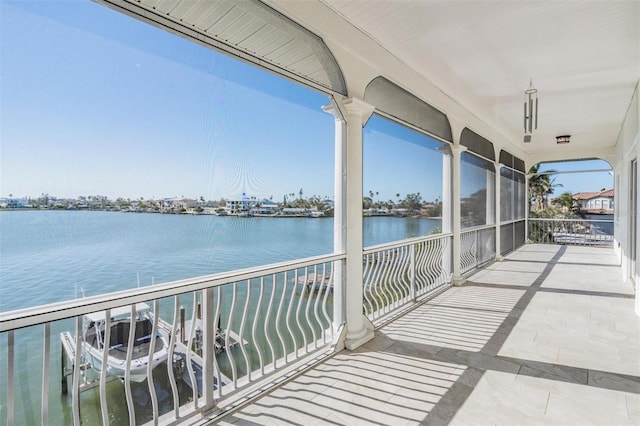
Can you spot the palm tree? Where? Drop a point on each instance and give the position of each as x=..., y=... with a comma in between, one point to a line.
x=568, y=203
x=540, y=187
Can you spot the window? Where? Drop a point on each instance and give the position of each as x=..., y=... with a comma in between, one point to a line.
x=521, y=195
x=402, y=182
x=477, y=183
x=512, y=195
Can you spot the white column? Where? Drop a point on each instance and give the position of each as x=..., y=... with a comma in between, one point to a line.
x=456, y=150
x=339, y=215
x=490, y=207
x=359, y=329
x=526, y=207
x=447, y=203
x=498, y=219
x=447, y=206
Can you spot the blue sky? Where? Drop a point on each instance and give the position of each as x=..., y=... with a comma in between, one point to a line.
x=84, y=113
x=580, y=182
x=95, y=102
x=399, y=160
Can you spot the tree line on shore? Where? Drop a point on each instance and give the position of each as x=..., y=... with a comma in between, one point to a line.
x=411, y=205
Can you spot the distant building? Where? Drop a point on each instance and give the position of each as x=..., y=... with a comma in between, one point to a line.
x=328, y=202
x=235, y=206
x=167, y=205
x=264, y=208
x=14, y=203
x=186, y=204
x=601, y=202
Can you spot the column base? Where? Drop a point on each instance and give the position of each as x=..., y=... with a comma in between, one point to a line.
x=499, y=258
x=342, y=336
x=357, y=338
x=458, y=280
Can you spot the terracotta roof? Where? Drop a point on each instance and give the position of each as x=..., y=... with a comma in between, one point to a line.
x=589, y=195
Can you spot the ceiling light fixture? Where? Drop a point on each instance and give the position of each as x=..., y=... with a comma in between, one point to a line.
x=530, y=111
x=563, y=139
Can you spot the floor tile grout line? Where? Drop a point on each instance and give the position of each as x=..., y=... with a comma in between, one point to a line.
x=488, y=367
x=546, y=406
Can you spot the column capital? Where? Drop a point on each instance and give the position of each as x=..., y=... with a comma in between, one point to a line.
x=358, y=107
x=456, y=150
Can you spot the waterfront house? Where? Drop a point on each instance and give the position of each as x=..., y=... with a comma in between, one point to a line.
x=264, y=208
x=472, y=325
x=241, y=205
x=167, y=205
x=186, y=204
x=14, y=203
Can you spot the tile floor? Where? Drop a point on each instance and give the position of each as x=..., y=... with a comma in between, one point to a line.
x=547, y=336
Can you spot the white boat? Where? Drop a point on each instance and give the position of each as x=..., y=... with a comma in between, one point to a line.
x=93, y=336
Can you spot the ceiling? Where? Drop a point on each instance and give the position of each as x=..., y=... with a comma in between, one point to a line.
x=582, y=56
x=245, y=29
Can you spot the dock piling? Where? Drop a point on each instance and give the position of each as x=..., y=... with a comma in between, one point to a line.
x=63, y=367
x=183, y=339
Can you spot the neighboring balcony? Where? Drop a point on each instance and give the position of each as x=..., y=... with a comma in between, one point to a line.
x=547, y=336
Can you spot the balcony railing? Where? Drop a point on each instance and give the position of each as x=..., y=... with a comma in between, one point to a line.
x=224, y=333
x=477, y=247
x=224, y=336
x=398, y=274
x=585, y=232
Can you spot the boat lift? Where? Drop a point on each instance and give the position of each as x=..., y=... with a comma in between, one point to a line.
x=181, y=352
x=67, y=358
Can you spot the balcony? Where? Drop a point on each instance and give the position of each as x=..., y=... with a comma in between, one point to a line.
x=547, y=336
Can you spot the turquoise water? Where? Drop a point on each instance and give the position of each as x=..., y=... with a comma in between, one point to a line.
x=50, y=256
